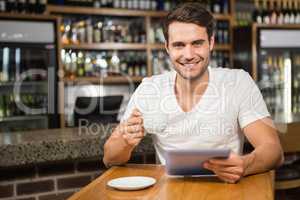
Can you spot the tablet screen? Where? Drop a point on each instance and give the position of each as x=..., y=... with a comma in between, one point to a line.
x=189, y=162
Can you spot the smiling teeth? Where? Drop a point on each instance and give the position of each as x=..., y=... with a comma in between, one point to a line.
x=189, y=65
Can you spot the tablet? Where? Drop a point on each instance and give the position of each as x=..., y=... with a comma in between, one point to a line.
x=189, y=162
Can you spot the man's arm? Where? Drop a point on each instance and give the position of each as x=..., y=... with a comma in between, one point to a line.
x=267, y=153
x=118, y=148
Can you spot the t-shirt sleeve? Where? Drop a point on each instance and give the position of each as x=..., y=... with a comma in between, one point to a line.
x=129, y=108
x=141, y=98
x=252, y=106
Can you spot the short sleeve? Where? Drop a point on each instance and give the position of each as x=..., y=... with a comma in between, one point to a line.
x=252, y=106
x=145, y=98
x=129, y=108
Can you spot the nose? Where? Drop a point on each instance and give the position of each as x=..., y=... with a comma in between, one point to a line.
x=189, y=52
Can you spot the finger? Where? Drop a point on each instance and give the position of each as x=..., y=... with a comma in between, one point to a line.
x=135, y=113
x=133, y=129
x=223, y=162
x=233, y=170
x=132, y=139
x=133, y=136
x=135, y=120
x=228, y=178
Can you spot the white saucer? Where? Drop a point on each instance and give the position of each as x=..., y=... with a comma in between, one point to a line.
x=131, y=182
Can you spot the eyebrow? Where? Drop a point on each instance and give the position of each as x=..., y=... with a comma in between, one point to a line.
x=193, y=42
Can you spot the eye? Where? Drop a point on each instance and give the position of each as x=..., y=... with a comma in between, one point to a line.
x=178, y=45
x=198, y=43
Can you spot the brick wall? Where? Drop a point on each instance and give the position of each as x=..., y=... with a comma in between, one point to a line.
x=54, y=181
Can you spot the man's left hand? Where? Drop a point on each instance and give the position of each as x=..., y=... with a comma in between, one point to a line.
x=230, y=170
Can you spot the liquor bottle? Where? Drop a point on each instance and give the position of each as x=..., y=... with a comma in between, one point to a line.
x=6, y=64
x=117, y=4
x=8, y=106
x=115, y=63
x=225, y=7
x=97, y=3
x=124, y=4
x=2, y=6
x=167, y=5
x=123, y=63
x=291, y=12
x=103, y=3
x=265, y=12
x=2, y=107
x=88, y=66
x=41, y=7
x=80, y=64
x=98, y=32
x=32, y=6
x=297, y=8
x=65, y=29
x=257, y=14
x=219, y=35
x=286, y=14
x=216, y=6
x=81, y=31
x=280, y=15
x=21, y=6
x=67, y=64
x=73, y=65
x=74, y=34
x=11, y=5
x=273, y=13
x=110, y=3
x=226, y=36
x=89, y=31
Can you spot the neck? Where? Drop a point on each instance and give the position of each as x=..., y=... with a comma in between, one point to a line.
x=191, y=87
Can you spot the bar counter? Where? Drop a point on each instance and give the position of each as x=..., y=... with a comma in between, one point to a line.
x=258, y=187
x=40, y=146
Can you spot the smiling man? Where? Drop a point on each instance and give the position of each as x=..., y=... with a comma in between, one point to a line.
x=198, y=106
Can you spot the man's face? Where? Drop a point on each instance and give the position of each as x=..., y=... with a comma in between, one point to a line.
x=189, y=49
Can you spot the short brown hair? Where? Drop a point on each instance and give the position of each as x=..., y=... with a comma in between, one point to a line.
x=190, y=12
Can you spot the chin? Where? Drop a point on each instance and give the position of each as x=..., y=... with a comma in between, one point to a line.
x=191, y=76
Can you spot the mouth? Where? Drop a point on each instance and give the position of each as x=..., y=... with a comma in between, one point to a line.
x=189, y=65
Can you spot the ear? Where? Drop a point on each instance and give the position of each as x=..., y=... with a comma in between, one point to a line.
x=211, y=42
x=166, y=47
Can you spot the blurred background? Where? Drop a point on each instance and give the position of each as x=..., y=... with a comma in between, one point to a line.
x=58, y=57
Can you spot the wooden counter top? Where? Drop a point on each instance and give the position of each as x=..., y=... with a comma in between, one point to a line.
x=258, y=187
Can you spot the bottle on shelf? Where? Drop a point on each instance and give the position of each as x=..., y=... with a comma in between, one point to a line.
x=220, y=59
x=292, y=13
x=41, y=6
x=216, y=7
x=280, y=15
x=80, y=64
x=161, y=62
x=95, y=30
x=265, y=12
x=222, y=34
x=296, y=84
x=257, y=14
x=273, y=12
x=106, y=63
x=2, y=107
x=2, y=6
x=32, y=6
x=298, y=12
x=286, y=13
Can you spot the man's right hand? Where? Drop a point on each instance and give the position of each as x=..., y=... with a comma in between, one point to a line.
x=132, y=130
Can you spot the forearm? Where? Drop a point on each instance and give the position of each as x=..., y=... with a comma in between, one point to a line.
x=263, y=158
x=116, y=151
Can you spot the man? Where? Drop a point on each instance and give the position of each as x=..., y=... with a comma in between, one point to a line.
x=196, y=107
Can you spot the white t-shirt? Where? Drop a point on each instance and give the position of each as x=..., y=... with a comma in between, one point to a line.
x=231, y=101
